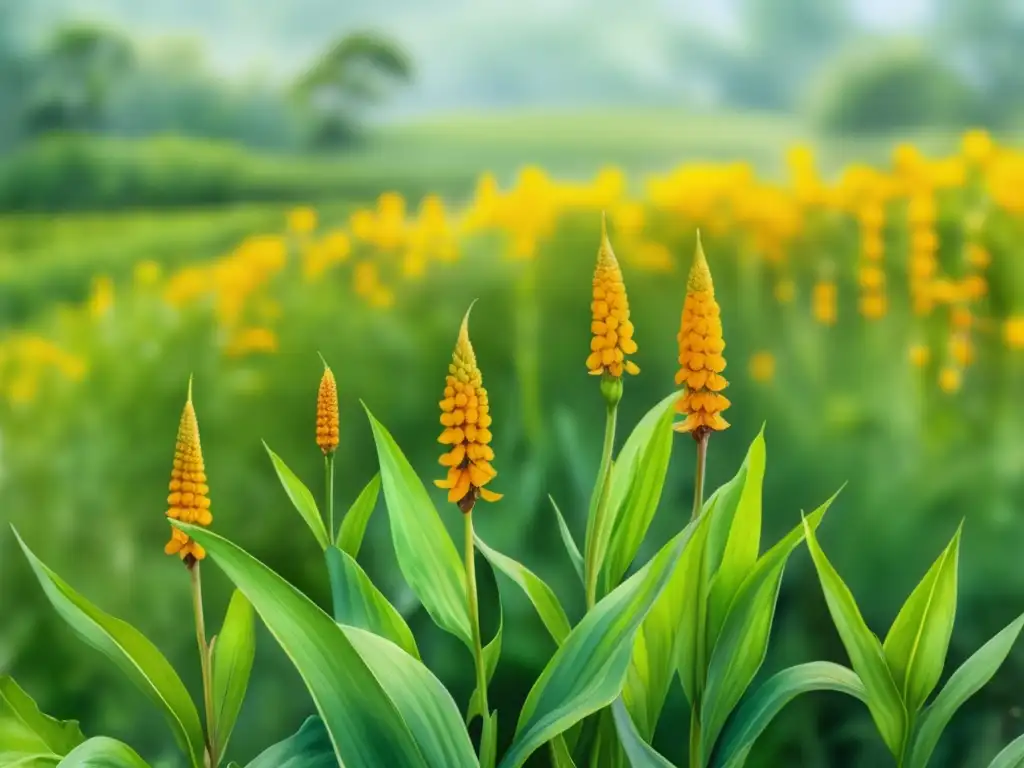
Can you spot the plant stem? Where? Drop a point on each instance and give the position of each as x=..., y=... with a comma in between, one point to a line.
x=329, y=494
x=701, y=639
x=474, y=616
x=204, y=660
x=605, y=478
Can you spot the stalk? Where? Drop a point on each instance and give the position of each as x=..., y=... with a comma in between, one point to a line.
x=601, y=511
x=204, y=659
x=698, y=504
x=474, y=615
x=329, y=493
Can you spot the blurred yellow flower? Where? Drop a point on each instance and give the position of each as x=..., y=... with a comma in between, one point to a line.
x=611, y=329
x=762, y=366
x=978, y=256
x=252, y=340
x=146, y=273
x=1013, y=332
x=823, y=302
x=302, y=220
x=950, y=380
x=977, y=146
x=919, y=355
x=101, y=300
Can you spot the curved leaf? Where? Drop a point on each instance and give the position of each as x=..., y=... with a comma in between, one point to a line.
x=27, y=731
x=353, y=525
x=426, y=554
x=916, y=645
x=587, y=671
x=309, y=747
x=760, y=708
x=570, y=543
x=101, y=752
x=866, y=655
x=133, y=654
x=964, y=683
x=639, y=752
x=1012, y=755
x=489, y=741
x=301, y=498
x=638, y=476
x=561, y=757
x=233, y=655
x=743, y=641
x=540, y=594
x=369, y=693
x=358, y=602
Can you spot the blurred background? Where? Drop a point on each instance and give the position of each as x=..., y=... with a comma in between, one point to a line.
x=226, y=189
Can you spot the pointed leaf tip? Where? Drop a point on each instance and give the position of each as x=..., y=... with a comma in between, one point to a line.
x=323, y=360
x=189, y=399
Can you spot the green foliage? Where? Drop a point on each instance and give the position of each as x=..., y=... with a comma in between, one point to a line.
x=301, y=498
x=893, y=88
x=353, y=525
x=309, y=747
x=234, y=651
x=26, y=732
x=103, y=752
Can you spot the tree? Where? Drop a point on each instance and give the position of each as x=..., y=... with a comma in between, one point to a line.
x=76, y=72
x=356, y=72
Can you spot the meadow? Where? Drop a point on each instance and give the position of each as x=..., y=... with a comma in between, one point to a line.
x=873, y=305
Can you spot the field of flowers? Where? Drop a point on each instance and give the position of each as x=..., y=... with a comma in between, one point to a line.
x=874, y=319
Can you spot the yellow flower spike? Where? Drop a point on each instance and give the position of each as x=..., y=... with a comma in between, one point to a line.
x=700, y=354
x=466, y=418
x=612, y=330
x=189, y=499
x=327, y=412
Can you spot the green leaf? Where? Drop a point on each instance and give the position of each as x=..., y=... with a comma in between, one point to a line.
x=489, y=741
x=744, y=538
x=300, y=497
x=491, y=652
x=133, y=654
x=101, y=752
x=379, y=705
x=570, y=543
x=864, y=649
x=743, y=641
x=540, y=594
x=964, y=683
x=916, y=645
x=1012, y=755
x=761, y=707
x=233, y=654
x=25, y=730
x=561, y=757
x=682, y=603
x=639, y=752
x=638, y=477
x=659, y=643
x=353, y=525
x=426, y=554
x=358, y=602
x=588, y=670
x=309, y=747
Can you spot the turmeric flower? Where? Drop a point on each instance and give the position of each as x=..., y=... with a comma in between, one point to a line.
x=612, y=331
x=327, y=413
x=700, y=354
x=188, y=500
x=466, y=418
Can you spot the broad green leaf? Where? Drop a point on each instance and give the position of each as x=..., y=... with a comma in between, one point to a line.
x=353, y=525
x=301, y=498
x=683, y=603
x=864, y=649
x=380, y=706
x=426, y=554
x=743, y=641
x=964, y=683
x=662, y=636
x=744, y=539
x=916, y=645
x=540, y=594
x=492, y=652
x=570, y=543
x=761, y=707
x=358, y=602
x=1012, y=755
x=637, y=479
x=233, y=654
x=639, y=752
x=489, y=741
x=102, y=752
x=588, y=670
x=24, y=760
x=27, y=731
x=309, y=747
x=133, y=654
